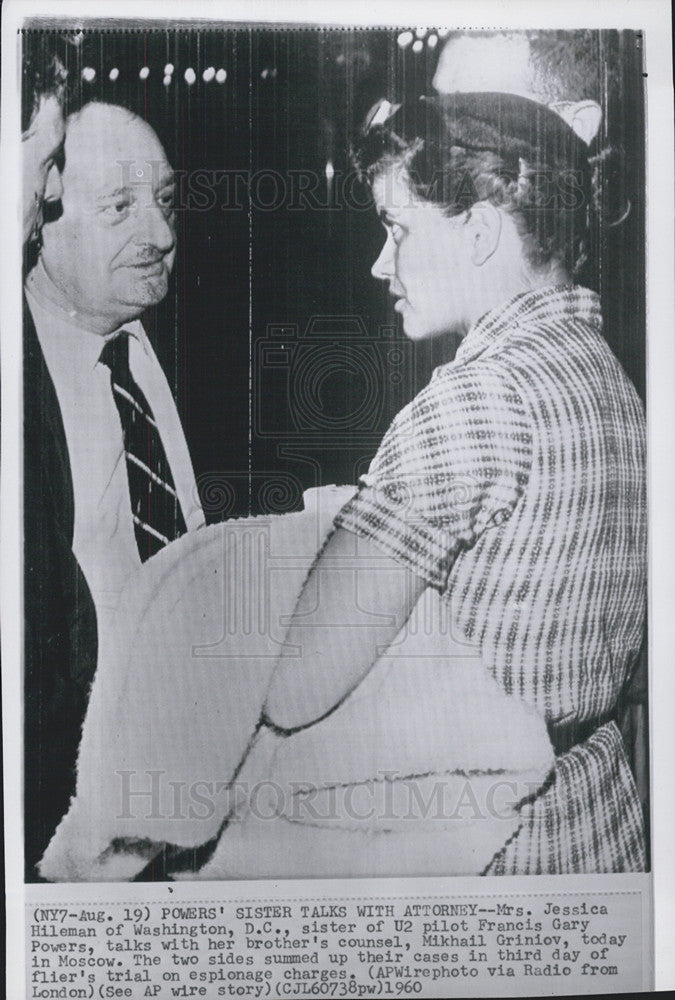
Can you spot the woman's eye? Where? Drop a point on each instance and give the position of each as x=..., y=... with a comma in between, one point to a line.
x=397, y=232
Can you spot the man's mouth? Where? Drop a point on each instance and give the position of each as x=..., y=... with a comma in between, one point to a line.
x=149, y=267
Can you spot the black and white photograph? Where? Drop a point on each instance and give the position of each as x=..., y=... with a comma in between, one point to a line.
x=335, y=493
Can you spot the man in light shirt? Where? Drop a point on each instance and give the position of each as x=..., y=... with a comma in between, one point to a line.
x=107, y=466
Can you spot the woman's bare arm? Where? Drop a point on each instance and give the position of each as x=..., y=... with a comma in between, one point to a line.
x=352, y=606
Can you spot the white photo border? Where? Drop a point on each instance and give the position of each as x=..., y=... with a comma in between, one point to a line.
x=653, y=16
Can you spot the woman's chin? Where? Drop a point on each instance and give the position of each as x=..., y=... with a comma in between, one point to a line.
x=416, y=329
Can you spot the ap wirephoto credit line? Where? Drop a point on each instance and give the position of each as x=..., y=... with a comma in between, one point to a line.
x=334, y=655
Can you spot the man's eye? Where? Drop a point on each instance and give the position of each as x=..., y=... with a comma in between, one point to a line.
x=117, y=210
x=397, y=232
x=166, y=201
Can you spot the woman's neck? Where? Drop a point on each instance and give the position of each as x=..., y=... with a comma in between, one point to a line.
x=506, y=283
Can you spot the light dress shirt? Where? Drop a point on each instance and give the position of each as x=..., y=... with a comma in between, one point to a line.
x=104, y=542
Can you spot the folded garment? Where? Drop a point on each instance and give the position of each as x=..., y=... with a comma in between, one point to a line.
x=421, y=771
x=255, y=848
x=182, y=675
x=183, y=669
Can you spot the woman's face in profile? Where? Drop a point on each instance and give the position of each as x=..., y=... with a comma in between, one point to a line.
x=426, y=259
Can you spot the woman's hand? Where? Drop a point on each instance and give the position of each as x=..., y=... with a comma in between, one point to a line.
x=353, y=604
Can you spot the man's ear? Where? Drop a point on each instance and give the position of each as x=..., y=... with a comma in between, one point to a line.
x=484, y=229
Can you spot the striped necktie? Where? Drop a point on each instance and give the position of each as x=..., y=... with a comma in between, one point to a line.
x=155, y=509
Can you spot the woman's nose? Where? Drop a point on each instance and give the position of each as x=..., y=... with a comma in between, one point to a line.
x=53, y=184
x=383, y=268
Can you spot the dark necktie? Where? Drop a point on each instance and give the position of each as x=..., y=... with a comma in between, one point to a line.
x=155, y=509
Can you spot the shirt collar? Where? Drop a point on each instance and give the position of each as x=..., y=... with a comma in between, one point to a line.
x=79, y=347
x=550, y=304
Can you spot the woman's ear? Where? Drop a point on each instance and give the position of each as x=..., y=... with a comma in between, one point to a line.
x=484, y=229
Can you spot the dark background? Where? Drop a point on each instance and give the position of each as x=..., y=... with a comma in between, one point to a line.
x=285, y=356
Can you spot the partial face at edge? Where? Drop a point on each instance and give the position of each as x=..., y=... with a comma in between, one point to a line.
x=41, y=146
x=426, y=259
x=111, y=252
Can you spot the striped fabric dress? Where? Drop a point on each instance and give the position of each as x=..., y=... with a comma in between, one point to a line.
x=514, y=483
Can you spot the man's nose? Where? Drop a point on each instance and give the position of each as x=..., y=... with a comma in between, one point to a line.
x=383, y=268
x=158, y=230
x=53, y=184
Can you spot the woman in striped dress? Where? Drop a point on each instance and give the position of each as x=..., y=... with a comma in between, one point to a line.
x=514, y=483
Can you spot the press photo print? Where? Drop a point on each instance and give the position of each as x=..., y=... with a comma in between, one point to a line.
x=334, y=485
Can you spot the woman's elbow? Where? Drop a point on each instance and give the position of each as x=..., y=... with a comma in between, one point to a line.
x=283, y=717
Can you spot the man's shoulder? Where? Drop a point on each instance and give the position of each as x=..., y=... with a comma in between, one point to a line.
x=48, y=484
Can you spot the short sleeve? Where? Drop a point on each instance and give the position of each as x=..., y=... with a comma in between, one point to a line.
x=453, y=464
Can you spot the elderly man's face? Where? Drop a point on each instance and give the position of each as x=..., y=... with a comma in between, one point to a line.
x=41, y=147
x=111, y=252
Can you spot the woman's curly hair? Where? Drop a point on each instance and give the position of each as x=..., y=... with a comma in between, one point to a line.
x=517, y=154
